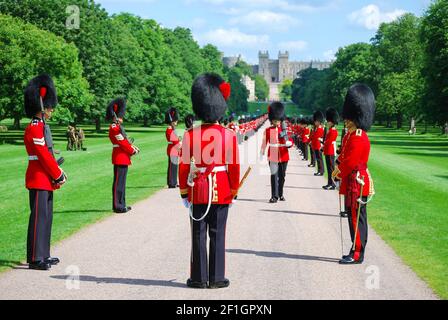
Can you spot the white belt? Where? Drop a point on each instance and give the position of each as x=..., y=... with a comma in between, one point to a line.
x=33, y=158
x=216, y=169
x=278, y=145
x=116, y=146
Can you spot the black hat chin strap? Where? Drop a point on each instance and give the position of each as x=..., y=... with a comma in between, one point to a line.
x=42, y=109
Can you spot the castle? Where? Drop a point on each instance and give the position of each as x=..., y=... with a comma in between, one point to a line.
x=276, y=71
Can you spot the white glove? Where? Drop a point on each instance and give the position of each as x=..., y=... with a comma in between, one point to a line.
x=186, y=203
x=288, y=144
x=136, y=150
x=233, y=202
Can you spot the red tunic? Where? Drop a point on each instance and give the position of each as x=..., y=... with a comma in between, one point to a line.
x=318, y=138
x=43, y=169
x=211, y=146
x=353, y=159
x=306, y=133
x=330, y=145
x=123, y=150
x=173, y=148
x=278, y=150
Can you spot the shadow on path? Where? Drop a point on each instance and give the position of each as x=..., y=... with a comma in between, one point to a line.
x=127, y=281
x=302, y=213
x=281, y=255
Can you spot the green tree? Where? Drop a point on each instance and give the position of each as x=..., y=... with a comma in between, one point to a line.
x=286, y=90
x=434, y=35
x=26, y=51
x=261, y=88
x=238, y=99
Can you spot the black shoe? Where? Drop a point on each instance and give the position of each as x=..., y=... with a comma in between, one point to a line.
x=196, y=285
x=311, y=166
x=121, y=211
x=273, y=200
x=52, y=261
x=344, y=214
x=40, y=265
x=172, y=187
x=349, y=260
x=329, y=187
x=129, y=209
x=219, y=284
x=325, y=187
x=282, y=199
x=318, y=174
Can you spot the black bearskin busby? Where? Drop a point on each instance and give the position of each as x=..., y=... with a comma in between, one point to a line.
x=172, y=115
x=332, y=115
x=209, y=95
x=276, y=111
x=189, y=121
x=359, y=106
x=41, y=86
x=318, y=116
x=116, y=108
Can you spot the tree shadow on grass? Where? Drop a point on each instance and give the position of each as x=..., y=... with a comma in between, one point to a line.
x=82, y=211
x=424, y=154
x=127, y=281
x=281, y=255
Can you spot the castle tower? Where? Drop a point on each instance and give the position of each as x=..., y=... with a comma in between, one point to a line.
x=283, y=66
x=263, y=65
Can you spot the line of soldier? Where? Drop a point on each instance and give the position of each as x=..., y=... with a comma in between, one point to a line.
x=209, y=170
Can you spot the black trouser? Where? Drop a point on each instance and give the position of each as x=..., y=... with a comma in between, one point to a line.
x=313, y=156
x=173, y=164
x=119, y=188
x=278, y=174
x=215, y=222
x=362, y=235
x=330, y=168
x=305, y=151
x=320, y=161
x=39, y=227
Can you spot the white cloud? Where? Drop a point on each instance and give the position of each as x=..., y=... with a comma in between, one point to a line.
x=371, y=17
x=229, y=38
x=294, y=46
x=265, y=20
x=330, y=55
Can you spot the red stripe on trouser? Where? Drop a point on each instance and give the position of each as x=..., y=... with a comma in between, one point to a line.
x=169, y=171
x=35, y=225
x=357, y=254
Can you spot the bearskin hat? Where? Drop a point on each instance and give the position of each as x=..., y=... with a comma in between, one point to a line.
x=172, y=115
x=276, y=111
x=116, y=108
x=40, y=87
x=189, y=121
x=209, y=96
x=332, y=115
x=359, y=106
x=318, y=116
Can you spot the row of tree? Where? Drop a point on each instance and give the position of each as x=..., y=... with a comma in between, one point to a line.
x=406, y=64
x=95, y=57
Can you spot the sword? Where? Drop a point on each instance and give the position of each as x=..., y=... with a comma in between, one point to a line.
x=360, y=203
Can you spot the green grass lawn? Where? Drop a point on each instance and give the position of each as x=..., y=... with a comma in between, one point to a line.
x=86, y=198
x=410, y=210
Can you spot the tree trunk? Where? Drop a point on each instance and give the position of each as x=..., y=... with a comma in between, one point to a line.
x=388, y=122
x=16, y=123
x=98, y=124
x=146, y=122
x=399, y=121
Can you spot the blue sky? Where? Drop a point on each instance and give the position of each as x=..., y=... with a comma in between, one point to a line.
x=307, y=29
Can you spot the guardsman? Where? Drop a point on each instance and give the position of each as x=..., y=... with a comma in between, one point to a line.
x=312, y=155
x=330, y=146
x=278, y=154
x=122, y=152
x=43, y=175
x=356, y=182
x=173, y=149
x=317, y=142
x=209, y=178
x=306, y=133
x=189, y=121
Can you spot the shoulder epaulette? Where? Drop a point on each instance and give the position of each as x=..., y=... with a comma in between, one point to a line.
x=359, y=133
